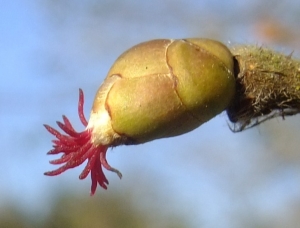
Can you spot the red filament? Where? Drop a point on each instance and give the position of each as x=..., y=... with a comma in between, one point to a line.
x=76, y=148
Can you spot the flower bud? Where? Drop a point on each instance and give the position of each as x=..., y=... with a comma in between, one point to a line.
x=162, y=88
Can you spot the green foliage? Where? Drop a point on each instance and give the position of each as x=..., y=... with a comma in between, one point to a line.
x=10, y=217
x=74, y=211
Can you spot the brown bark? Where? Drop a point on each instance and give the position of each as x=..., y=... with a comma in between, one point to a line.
x=267, y=86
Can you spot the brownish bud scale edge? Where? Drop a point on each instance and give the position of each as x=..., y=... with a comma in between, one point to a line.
x=267, y=86
x=162, y=88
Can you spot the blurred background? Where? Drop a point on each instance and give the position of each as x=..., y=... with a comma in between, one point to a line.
x=210, y=177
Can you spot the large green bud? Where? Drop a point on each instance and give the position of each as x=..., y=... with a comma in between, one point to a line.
x=162, y=88
x=157, y=89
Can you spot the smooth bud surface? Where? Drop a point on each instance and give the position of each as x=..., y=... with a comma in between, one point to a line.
x=162, y=88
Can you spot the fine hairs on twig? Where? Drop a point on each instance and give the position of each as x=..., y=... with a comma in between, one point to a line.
x=267, y=86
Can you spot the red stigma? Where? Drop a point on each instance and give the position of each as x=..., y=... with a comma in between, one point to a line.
x=77, y=147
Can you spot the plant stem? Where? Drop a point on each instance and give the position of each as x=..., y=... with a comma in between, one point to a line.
x=267, y=86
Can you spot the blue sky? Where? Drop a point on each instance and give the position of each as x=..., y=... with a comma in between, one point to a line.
x=210, y=174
